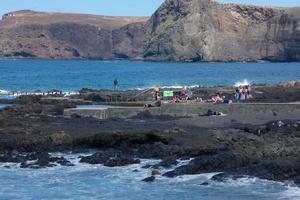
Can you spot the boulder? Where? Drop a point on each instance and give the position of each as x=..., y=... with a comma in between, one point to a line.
x=149, y=179
x=110, y=158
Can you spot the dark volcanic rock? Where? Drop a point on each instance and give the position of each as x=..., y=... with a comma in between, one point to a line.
x=222, y=177
x=98, y=158
x=167, y=162
x=12, y=158
x=259, y=148
x=149, y=179
x=156, y=150
x=42, y=160
x=214, y=163
x=276, y=169
x=204, y=184
x=110, y=159
x=155, y=172
x=121, y=161
x=34, y=160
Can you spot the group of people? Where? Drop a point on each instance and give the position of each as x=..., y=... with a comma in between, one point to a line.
x=243, y=93
x=218, y=99
x=215, y=99
x=184, y=96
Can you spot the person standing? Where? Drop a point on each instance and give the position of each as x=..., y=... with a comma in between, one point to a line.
x=116, y=84
x=237, y=94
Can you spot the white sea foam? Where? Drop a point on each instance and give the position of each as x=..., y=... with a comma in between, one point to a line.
x=168, y=87
x=119, y=177
x=201, y=177
x=244, y=82
x=8, y=93
x=9, y=165
x=291, y=192
x=239, y=182
x=179, y=86
x=4, y=92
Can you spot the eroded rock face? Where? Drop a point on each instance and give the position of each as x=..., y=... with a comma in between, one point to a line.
x=203, y=30
x=128, y=41
x=180, y=30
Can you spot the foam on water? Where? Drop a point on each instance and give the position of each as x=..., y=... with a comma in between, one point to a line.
x=292, y=192
x=244, y=82
x=85, y=181
x=4, y=92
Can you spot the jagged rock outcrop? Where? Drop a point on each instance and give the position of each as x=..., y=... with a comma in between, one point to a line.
x=203, y=30
x=180, y=30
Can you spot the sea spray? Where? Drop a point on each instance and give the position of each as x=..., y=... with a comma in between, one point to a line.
x=85, y=181
x=244, y=82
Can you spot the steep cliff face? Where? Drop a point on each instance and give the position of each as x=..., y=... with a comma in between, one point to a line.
x=203, y=30
x=27, y=34
x=180, y=30
x=128, y=41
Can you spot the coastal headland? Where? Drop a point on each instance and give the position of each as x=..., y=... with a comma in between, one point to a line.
x=179, y=30
x=259, y=137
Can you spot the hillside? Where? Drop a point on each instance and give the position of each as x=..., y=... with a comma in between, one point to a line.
x=180, y=30
x=28, y=34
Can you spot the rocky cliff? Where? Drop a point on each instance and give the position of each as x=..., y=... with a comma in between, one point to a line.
x=203, y=30
x=180, y=30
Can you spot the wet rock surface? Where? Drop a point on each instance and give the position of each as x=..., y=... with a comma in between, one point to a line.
x=267, y=148
x=149, y=179
x=166, y=162
x=34, y=160
x=110, y=159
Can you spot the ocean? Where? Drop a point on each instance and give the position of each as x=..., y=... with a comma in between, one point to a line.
x=84, y=182
x=71, y=76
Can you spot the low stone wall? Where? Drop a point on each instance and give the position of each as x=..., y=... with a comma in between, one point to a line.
x=185, y=110
x=190, y=110
x=108, y=113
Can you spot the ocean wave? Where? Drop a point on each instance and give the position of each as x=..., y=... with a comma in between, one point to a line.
x=82, y=175
x=201, y=178
x=291, y=192
x=4, y=92
x=167, y=87
x=244, y=82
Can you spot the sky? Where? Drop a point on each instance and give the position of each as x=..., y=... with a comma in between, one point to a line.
x=113, y=7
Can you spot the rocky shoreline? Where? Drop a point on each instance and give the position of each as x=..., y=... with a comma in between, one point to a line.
x=262, y=147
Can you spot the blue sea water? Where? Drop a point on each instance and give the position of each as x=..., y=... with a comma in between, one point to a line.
x=94, y=182
x=31, y=75
x=98, y=182
x=4, y=105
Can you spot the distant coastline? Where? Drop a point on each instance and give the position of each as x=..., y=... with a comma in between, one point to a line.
x=177, y=33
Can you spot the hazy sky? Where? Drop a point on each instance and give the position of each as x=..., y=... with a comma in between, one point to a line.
x=111, y=7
